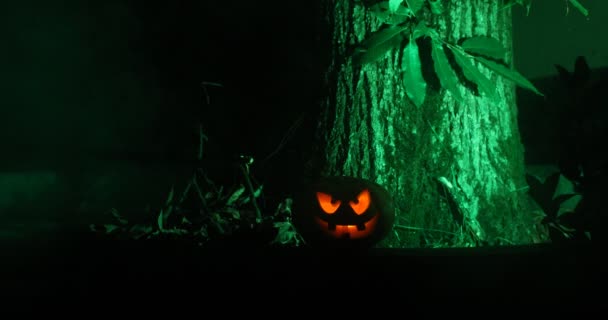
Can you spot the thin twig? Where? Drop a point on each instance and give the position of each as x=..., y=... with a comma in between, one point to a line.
x=204, y=85
x=258, y=214
x=286, y=137
x=201, y=138
x=200, y=194
x=185, y=193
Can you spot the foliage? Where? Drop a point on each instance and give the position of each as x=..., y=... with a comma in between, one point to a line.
x=558, y=198
x=205, y=212
x=406, y=20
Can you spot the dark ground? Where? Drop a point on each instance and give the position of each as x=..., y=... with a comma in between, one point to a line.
x=76, y=265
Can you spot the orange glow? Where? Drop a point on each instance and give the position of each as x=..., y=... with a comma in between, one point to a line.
x=363, y=200
x=343, y=230
x=326, y=203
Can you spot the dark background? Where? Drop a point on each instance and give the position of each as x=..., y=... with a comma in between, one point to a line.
x=101, y=100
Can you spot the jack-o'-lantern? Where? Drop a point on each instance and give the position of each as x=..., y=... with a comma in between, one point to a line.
x=343, y=212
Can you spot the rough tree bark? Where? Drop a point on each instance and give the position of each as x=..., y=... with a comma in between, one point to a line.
x=369, y=128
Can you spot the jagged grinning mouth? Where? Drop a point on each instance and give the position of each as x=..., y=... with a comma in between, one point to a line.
x=348, y=231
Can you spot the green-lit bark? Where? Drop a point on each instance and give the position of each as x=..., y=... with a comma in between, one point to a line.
x=370, y=129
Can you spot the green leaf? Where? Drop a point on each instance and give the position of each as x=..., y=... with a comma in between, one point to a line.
x=110, y=227
x=384, y=7
x=378, y=44
x=509, y=74
x=160, y=220
x=118, y=217
x=382, y=36
x=564, y=186
x=472, y=73
x=233, y=212
x=382, y=12
x=580, y=7
x=415, y=86
x=445, y=73
x=170, y=197
x=569, y=204
x=387, y=18
x=486, y=46
x=422, y=30
x=436, y=7
x=415, y=5
x=235, y=195
x=139, y=228
x=393, y=5
x=258, y=192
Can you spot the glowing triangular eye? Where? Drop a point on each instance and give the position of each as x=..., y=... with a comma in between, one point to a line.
x=362, y=203
x=327, y=205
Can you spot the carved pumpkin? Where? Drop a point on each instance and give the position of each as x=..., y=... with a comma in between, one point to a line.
x=343, y=212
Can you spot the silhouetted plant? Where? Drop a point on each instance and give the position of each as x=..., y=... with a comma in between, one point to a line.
x=557, y=197
x=204, y=211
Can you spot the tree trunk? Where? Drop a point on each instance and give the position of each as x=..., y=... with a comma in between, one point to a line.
x=368, y=128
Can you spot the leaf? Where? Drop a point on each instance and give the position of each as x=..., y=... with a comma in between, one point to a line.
x=393, y=5
x=542, y=192
x=422, y=30
x=233, y=212
x=436, y=7
x=256, y=194
x=388, y=18
x=445, y=73
x=286, y=234
x=580, y=7
x=163, y=215
x=415, y=5
x=118, y=217
x=381, y=12
x=472, y=73
x=139, y=228
x=569, y=204
x=235, y=195
x=160, y=220
x=218, y=222
x=203, y=231
x=564, y=186
x=542, y=172
x=486, y=46
x=378, y=44
x=110, y=227
x=509, y=74
x=415, y=86
x=170, y=197
x=284, y=207
x=381, y=36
